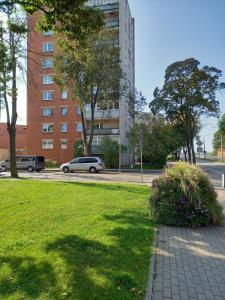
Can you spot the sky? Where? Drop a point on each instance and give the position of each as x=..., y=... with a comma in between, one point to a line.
x=171, y=30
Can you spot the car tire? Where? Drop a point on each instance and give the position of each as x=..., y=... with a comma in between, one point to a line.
x=66, y=170
x=30, y=169
x=93, y=170
x=3, y=168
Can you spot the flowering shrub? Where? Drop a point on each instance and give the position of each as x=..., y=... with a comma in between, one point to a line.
x=183, y=196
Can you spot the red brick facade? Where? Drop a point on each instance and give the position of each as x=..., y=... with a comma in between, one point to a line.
x=36, y=104
x=21, y=140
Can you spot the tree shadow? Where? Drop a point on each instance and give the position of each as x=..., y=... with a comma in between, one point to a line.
x=115, y=267
x=100, y=271
x=27, y=276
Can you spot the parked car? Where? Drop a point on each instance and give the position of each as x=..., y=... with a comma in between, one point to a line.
x=90, y=164
x=1, y=170
x=25, y=162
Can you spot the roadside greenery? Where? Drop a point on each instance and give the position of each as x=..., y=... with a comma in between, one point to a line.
x=110, y=152
x=74, y=240
x=219, y=135
x=156, y=137
x=189, y=92
x=183, y=196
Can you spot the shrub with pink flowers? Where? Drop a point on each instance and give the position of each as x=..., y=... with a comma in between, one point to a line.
x=184, y=196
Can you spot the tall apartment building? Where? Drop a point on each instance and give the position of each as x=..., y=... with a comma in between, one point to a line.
x=54, y=122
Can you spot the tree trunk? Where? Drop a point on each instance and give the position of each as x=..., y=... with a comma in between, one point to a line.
x=185, y=154
x=193, y=151
x=12, y=126
x=12, y=142
x=189, y=153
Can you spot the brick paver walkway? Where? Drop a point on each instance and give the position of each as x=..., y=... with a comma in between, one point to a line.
x=190, y=264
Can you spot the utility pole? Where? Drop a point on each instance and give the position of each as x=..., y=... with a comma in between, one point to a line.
x=120, y=150
x=204, y=148
x=221, y=141
x=141, y=152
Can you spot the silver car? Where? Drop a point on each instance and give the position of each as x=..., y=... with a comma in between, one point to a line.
x=90, y=164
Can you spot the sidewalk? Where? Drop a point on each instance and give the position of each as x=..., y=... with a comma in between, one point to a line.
x=189, y=263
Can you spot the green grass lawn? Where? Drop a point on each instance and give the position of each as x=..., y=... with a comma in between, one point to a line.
x=78, y=241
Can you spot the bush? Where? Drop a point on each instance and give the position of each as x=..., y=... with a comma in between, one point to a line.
x=183, y=196
x=50, y=163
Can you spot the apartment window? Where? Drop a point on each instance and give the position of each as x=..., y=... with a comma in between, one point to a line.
x=64, y=144
x=48, y=47
x=64, y=127
x=78, y=110
x=48, y=79
x=48, y=33
x=47, y=63
x=79, y=127
x=64, y=111
x=47, y=144
x=47, y=95
x=64, y=95
x=47, y=128
x=47, y=112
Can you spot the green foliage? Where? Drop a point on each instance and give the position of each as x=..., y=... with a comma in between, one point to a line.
x=222, y=124
x=93, y=74
x=73, y=19
x=158, y=137
x=188, y=93
x=110, y=151
x=69, y=241
x=50, y=163
x=78, y=149
x=185, y=197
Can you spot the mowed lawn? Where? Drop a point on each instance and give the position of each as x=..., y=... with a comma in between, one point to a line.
x=75, y=241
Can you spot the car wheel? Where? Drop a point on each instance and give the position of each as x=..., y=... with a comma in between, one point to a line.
x=3, y=168
x=66, y=170
x=92, y=170
x=30, y=169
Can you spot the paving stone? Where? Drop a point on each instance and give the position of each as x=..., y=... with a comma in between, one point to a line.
x=193, y=266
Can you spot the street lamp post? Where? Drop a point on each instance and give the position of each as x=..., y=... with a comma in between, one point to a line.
x=141, y=152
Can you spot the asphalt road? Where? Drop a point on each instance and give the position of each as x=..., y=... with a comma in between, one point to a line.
x=214, y=171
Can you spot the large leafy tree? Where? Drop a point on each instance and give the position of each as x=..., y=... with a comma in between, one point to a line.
x=71, y=17
x=93, y=74
x=189, y=91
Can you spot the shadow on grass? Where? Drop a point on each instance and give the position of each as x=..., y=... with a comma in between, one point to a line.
x=112, y=187
x=26, y=275
x=91, y=269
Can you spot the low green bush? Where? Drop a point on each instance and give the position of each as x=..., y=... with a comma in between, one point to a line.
x=183, y=196
x=50, y=163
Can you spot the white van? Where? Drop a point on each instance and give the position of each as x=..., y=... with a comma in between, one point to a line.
x=90, y=164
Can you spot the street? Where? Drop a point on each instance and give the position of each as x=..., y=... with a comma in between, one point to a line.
x=214, y=171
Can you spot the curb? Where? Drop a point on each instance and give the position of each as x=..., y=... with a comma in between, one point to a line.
x=152, y=267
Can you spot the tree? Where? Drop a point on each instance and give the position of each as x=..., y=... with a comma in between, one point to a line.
x=218, y=139
x=188, y=93
x=12, y=34
x=78, y=149
x=159, y=139
x=93, y=74
x=110, y=151
x=73, y=19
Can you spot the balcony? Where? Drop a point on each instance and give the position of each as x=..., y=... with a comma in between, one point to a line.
x=104, y=114
x=105, y=131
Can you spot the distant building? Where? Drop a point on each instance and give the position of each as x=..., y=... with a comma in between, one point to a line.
x=21, y=140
